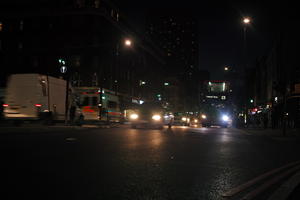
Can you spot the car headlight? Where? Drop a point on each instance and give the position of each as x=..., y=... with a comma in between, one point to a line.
x=133, y=116
x=225, y=118
x=203, y=116
x=156, y=117
x=183, y=119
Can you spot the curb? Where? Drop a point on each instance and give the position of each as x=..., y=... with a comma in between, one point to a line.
x=287, y=188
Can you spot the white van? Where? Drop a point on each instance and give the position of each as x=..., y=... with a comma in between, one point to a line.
x=37, y=97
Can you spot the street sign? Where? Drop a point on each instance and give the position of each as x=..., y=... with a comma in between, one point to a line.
x=63, y=69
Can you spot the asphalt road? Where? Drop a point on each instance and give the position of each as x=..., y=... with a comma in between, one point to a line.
x=124, y=163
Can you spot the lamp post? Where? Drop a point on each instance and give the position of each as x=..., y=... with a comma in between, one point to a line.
x=127, y=43
x=246, y=22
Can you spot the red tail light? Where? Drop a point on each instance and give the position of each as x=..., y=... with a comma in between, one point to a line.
x=5, y=105
x=38, y=105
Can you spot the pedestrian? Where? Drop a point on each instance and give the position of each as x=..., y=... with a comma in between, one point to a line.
x=72, y=114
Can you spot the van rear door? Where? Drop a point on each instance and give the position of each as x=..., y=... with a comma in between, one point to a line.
x=22, y=96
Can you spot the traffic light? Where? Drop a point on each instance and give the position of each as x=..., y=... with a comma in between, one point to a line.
x=62, y=65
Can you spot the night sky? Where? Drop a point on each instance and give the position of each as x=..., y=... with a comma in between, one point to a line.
x=220, y=27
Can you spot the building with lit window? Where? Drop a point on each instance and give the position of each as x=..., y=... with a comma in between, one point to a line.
x=177, y=37
x=85, y=36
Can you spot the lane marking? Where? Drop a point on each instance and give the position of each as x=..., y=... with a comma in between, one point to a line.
x=246, y=185
x=287, y=188
x=270, y=183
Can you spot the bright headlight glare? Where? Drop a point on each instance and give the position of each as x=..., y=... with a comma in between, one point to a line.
x=203, y=116
x=134, y=116
x=225, y=118
x=156, y=117
x=183, y=119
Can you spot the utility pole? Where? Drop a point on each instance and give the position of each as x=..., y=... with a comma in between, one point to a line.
x=117, y=69
x=63, y=70
x=246, y=23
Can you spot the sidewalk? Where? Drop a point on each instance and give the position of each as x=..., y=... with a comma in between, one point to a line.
x=272, y=132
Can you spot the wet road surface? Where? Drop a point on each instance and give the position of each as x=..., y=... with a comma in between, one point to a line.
x=124, y=163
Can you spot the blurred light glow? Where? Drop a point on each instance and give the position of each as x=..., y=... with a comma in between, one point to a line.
x=225, y=118
x=134, y=116
x=38, y=105
x=183, y=119
x=156, y=117
x=5, y=105
x=203, y=116
x=128, y=42
x=246, y=20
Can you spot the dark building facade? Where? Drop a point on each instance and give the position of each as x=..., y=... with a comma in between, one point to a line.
x=177, y=37
x=85, y=36
x=277, y=76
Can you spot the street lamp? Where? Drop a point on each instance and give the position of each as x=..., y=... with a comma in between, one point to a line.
x=128, y=42
x=247, y=20
x=226, y=68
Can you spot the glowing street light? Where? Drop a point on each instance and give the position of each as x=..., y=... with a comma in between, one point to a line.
x=246, y=20
x=128, y=42
x=226, y=68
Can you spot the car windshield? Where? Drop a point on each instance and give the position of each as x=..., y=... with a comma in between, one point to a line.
x=151, y=107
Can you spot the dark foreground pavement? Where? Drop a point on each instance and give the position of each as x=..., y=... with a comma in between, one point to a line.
x=123, y=163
